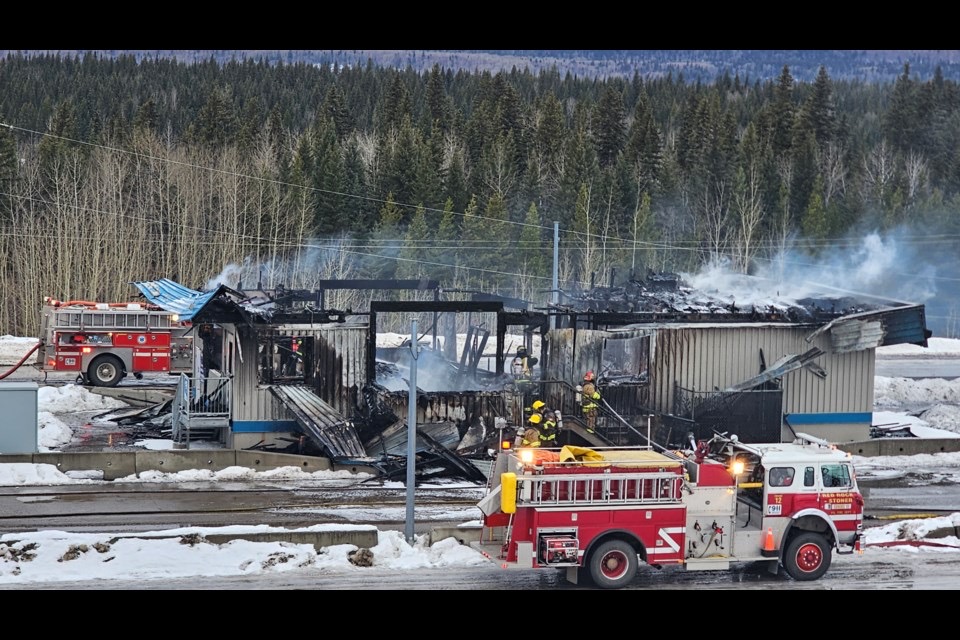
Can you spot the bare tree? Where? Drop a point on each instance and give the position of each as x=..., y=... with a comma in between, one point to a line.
x=833, y=171
x=915, y=169
x=716, y=216
x=749, y=209
x=878, y=173
x=499, y=168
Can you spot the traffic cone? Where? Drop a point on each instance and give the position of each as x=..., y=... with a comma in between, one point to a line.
x=768, y=548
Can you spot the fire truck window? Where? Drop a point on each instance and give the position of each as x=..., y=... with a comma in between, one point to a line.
x=808, y=477
x=835, y=475
x=781, y=476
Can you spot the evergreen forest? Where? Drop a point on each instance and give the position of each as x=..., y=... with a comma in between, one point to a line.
x=114, y=170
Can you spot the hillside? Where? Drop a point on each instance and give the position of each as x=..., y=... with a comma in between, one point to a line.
x=694, y=65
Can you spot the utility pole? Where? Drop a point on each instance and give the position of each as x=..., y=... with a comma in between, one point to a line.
x=412, y=432
x=556, y=273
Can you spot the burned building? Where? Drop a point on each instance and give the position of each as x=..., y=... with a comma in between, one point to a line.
x=671, y=362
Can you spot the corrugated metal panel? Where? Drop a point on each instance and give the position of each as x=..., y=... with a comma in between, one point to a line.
x=175, y=297
x=871, y=329
x=856, y=335
x=333, y=433
x=907, y=325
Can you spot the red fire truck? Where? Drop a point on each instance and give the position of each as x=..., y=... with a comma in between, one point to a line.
x=604, y=510
x=104, y=342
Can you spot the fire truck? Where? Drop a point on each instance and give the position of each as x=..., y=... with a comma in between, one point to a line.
x=105, y=342
x=597, y=513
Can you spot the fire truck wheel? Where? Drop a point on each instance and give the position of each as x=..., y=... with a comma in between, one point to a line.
x=613, y=564
x=807, y=557
x=105, y=371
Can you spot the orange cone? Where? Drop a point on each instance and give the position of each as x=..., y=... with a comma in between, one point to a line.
x=768, y=547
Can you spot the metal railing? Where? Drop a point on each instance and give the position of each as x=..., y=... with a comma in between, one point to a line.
x=200, y=404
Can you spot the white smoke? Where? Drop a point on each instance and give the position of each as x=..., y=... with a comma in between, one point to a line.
x=877, y=265
x=229, y=276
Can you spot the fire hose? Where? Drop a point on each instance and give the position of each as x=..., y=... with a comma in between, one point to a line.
x=22, y=360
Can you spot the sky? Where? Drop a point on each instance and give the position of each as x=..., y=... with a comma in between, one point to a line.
x=50, y=556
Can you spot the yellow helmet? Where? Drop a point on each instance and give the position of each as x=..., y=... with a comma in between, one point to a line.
x=535, y=418
x=538, y=404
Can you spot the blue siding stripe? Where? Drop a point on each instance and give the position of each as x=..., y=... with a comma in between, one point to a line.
x=255, y=426
x=830, y=418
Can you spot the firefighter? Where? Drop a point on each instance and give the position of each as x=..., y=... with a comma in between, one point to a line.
x=589, y=400
x=522, y=370
x=531, y=436
x=537, y=406
x=549, y=427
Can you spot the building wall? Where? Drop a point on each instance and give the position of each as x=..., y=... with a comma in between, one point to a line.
x=706, y=357
x=339, y=356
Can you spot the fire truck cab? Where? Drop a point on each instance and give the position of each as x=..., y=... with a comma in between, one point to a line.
x=104, y=342
x=597, y=513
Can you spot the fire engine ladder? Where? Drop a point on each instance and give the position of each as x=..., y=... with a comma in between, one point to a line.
x=599, y=489
x=68, y=318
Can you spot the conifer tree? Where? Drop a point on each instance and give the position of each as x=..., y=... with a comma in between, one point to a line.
x=360, y=215
x=550, y=130
x=534, y=256
x=644, y=149
x=327, y=178
x=820, y=111
x=439, y=108
x=609, y=126
x=335, y=108
x=395, y=105
x=386, y=242
x=901, y=121
x=418, y=237
x=783, y=110
x=216, y=124
x=443, y=252
x=8, y=174
x=814, y=223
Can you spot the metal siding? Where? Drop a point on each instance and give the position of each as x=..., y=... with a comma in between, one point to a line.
x=705, y=358
x=339, y=356
x=250, y=402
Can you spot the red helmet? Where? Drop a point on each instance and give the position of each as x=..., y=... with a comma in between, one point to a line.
x=588, y=375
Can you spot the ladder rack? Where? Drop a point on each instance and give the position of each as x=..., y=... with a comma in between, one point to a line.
x=109, y=319
x=592, y=489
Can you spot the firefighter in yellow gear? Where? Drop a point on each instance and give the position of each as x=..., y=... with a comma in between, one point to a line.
x=589, y=400
x=548, y=423
x=531, y=437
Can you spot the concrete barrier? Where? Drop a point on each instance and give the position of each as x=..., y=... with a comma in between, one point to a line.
x=900, y=446
x=465, y=534
x=362, y=537
x=121, y=464
x=113, y=465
